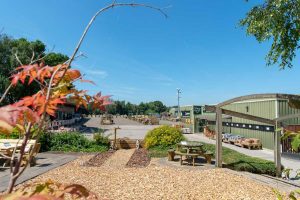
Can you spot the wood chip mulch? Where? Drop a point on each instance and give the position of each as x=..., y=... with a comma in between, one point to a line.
x=99, y=159
x=140, y=158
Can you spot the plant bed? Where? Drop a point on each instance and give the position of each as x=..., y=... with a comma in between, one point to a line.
x=140, y=158
x=99, y=159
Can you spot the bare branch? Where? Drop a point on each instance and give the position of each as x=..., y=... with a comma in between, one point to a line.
x=32, y=57
x=16, y=55
x=5, y=93
x=87, y=29
x=14, y=176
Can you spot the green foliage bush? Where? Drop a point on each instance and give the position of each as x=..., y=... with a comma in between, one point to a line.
x=70, y=142
x=163, y=136
x=101, y=139
x=13, y=135
x=296, y=142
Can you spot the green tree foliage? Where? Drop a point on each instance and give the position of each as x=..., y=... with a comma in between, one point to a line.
x=127, y=108
x=279, y=21
x=25, y=51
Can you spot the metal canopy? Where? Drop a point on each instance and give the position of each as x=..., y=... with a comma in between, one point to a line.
x=276, y=122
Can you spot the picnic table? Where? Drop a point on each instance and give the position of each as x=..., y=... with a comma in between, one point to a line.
x=6, y=152
x=7, y=147
x=191, y=150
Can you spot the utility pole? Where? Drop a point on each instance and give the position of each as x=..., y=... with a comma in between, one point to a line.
x=178, y=97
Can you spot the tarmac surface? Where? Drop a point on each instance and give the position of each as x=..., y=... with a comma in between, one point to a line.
x=128, y=128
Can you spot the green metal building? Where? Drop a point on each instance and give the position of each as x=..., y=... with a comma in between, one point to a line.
x=266, y=108
x=188, y=115
x=270, y=108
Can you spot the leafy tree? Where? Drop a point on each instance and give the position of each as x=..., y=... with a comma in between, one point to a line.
x=123, y=108
x=157, y=106
x=279, y=21
x=13, y=49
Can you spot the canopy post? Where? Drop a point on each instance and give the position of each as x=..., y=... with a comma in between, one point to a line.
x=277, y=149
x=218, y=131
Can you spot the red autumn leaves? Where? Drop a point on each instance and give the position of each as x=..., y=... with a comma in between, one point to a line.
x=59, y=78
x=40, y=73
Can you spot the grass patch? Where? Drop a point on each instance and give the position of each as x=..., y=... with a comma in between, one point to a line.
x=233, y=159
x=159, y=151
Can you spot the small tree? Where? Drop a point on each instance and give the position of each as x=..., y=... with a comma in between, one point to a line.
x=279, y=21
x=29, y=114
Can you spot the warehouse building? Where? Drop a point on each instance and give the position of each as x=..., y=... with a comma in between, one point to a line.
x=268, y=108
x=188, y=115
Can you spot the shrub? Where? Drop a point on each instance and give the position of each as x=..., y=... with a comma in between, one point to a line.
x=101, y=139
x=69, y=142
x=163, y=136
x=14, y=135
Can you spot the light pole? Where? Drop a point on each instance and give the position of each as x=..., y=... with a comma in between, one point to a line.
x=178, y=97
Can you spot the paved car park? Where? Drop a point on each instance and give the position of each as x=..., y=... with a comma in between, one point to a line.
x=128, y=128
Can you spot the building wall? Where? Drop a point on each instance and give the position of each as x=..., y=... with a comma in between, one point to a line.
x=190, y=119
x=284, y=109
x=261, y=108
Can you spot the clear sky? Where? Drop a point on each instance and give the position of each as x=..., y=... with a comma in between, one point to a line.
x=135, y=54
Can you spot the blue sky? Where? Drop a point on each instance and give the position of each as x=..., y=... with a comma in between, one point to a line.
x=135, y=54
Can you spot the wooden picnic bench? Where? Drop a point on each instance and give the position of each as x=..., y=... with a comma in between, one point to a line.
x=7, y=147
x=192, y=150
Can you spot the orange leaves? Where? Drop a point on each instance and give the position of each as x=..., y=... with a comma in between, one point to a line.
x=12, y=116
x=87, y=81
x=38, y=103
x=80, y=98
x=73, y=74
x=61, y=87
x=99, y=101
x=42, y=73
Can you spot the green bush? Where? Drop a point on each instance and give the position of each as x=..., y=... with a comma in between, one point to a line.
x=163, y=136
x=14, y=135
x=101, y=139
x=69, y=142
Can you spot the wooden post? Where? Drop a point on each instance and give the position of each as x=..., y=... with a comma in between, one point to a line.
x=277, y=150
x=218, y=131
x=115, y=138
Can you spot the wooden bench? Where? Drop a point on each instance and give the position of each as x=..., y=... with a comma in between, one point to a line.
x=193, y=154
x=8, y=145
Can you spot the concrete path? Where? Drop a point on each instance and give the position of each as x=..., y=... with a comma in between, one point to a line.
x=263, y=154
x=45, y=162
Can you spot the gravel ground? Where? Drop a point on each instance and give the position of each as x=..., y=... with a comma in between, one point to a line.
x=119, y=159
x=112, y=181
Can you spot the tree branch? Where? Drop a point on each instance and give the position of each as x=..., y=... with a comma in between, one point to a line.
x=84, y=34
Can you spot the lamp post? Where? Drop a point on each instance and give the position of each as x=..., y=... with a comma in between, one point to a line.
x=178, y=97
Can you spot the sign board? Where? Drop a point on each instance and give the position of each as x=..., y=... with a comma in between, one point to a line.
x=185, y=113
x=197, y=110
